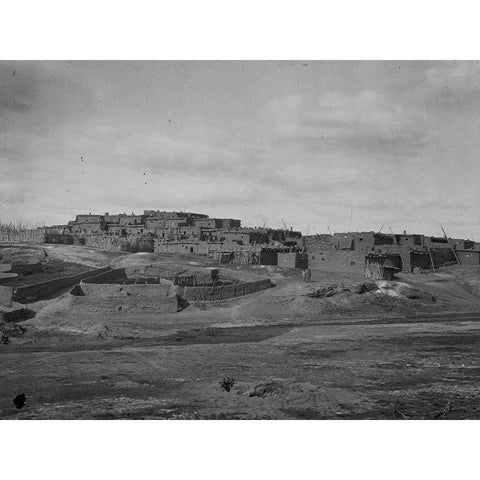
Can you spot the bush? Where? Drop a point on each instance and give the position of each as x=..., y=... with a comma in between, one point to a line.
x=227, y=383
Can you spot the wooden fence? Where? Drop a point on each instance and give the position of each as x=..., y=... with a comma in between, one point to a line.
x=224, y=292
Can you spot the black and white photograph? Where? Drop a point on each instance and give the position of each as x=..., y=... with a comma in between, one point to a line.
x=284, y=240
x=240, y=240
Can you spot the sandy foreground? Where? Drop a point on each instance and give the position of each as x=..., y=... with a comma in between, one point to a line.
x=407, y=352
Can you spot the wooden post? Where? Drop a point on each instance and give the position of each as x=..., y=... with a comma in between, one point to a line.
x=399, y=251
x=431, y=259
x=450, y=245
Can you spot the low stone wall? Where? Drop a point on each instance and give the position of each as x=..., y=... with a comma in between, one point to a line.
x=48, y=289
x=224, y=292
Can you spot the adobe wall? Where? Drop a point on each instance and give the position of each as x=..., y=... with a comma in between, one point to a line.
x=268, y=257
x=419, y=259
x=346, y=261
x=145, y=292
x=293, y=260
x=469, y=257
x=127, y=305
x=45, y=290
x=189, y=280
x=111, y=276
x=108, y=298
x=441, y=256
x=114, y=243
x=224, y=292
x=103, y=242
x=175, y=247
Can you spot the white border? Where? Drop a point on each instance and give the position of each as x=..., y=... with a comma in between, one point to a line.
x=247, y=29
x=238, y=30
x=239, y=449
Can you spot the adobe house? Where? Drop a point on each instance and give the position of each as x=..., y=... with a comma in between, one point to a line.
x=125, y=220
x=333, y=260
x=242, y=238
x=190, y=216
x=360, y=241
x=89, y=228
x=462, y=244
x=229, y=223
x=209, y=223
x=293, y=260
x=154, y=224
x=363, y=241
x=382, y=266
x=443, y=256
x=418, y=259
x=268, y=256
x=469, y=257
x=88, y=224
x=135, y=229
x=176, y=247
x=246, y=236
x=437, y=242
x=410, y=241
x=112, y=219
x=89, y=218
x=176, y=222
x=114, y=229
x=210, y=234
x=283, y=236
x=343, y=241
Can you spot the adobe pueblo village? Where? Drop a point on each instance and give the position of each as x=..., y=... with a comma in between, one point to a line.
x=170, y=314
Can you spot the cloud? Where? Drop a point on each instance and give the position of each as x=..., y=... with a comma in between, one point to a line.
x=81, y=139
x=362, y=122
x=18, y=90
x=455, y=77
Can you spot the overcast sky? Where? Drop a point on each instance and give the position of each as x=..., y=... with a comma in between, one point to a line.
x=345, y=145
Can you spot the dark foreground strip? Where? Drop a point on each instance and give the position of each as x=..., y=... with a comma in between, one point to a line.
x=442, y=318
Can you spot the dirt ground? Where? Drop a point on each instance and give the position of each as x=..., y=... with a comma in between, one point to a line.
x=50, y=270
x=347, y=355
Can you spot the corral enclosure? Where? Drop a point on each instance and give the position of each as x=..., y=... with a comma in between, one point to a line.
x=141, y=289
